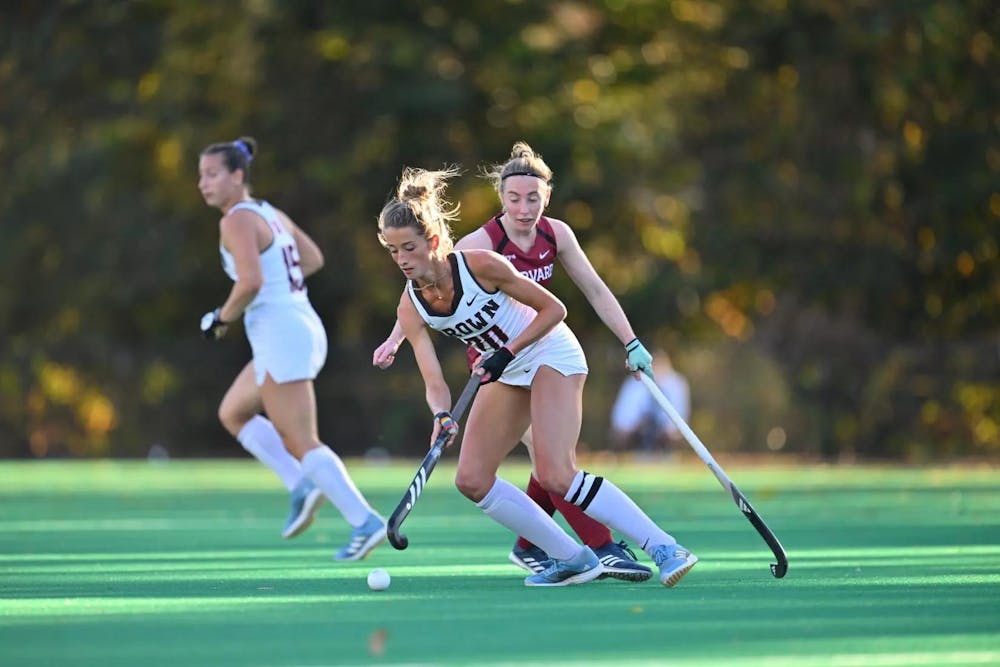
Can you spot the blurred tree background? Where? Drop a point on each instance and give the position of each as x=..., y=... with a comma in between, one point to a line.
x=799, y=199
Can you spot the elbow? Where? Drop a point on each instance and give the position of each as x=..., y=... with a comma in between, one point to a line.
x=560, y=309
x=312, y=264
x=251, y=285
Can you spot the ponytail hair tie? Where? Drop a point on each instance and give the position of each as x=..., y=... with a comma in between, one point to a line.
x=243, y=148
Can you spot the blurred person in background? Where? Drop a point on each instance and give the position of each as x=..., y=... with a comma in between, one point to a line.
x=533, y=373
x=638, y=423
x=268, y=258
x=533, y=242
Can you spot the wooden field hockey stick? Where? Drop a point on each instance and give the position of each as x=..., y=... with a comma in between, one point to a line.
x=405, y=506
x=777, y=569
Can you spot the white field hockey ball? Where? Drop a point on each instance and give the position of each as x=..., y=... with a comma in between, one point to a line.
x=378, y=579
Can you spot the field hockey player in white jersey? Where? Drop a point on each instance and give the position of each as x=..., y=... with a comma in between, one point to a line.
x=533, y=371
x=268, y=258
x=534, y=243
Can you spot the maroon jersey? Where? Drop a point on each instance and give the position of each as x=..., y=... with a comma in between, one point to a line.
x=537, y=263
x=539, y=260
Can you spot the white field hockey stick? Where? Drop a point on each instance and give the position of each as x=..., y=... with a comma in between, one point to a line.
x=777, y=569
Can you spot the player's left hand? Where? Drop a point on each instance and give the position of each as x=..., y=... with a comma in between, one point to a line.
x=212, y=326
x=443, y=421
x=638, y=358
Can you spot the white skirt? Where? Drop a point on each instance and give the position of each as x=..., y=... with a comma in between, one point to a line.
x=559, y=350
x=288, y=341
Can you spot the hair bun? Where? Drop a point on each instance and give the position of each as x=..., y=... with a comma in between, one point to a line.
x=247, y=146
x=414, y=191
x=521, y=150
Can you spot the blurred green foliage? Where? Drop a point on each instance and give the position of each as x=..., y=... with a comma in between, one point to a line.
x=799, y=199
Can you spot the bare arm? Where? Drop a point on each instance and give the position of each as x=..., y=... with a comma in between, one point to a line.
x=310, y=256
x=494, y=272
x=582, y=272
x=437, y=392
x=238, y=232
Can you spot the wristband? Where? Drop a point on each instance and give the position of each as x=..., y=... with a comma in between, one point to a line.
x=446, y=421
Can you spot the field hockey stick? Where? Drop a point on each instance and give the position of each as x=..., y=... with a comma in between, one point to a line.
x=405, y=506
x=777, y=569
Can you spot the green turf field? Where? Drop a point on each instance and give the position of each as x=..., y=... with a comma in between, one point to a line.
x=181, y=563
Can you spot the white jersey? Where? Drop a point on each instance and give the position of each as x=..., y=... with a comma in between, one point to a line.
x=285, y=333
x=279, y=262
x=488, y=320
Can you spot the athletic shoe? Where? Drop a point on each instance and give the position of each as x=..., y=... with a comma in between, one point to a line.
x=674, y=562
x=580, y=569
x=619, y=562
x=364, y=538
x=532, y=558
x=306, y=499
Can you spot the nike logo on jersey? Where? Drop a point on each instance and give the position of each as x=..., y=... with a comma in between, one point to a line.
x=511, y=256
x=544, y=254
x=469, y=302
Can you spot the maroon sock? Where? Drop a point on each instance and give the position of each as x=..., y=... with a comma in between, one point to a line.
x=593, y=533
x=541, y=498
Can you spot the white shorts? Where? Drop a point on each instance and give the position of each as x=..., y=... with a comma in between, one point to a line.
x=559, y=349
x=288, y=341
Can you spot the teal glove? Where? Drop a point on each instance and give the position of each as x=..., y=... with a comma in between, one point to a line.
x=638, y=358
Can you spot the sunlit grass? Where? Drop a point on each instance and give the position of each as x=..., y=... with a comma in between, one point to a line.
x=129, y=563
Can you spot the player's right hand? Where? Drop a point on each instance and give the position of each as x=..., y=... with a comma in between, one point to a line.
x=385, y=354
x=212, y=326
x=492, y=367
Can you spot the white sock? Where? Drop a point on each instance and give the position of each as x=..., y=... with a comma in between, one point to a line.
x=260, y=438
x=512, y=508
x=327, y=471
x=604, y=501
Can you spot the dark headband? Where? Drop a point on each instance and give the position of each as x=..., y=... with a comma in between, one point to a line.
x=524, y=173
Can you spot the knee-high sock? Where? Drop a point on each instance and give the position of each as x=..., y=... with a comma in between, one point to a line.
x=592, y=533
x=608, y=504
x=259, y=437
x=510, y=507
x=327, y=471
x=540, y=495
x=541, y=498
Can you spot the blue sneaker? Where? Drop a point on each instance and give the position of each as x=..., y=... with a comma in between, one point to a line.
x=674, y=562
x=306, y=499
x=619, y=562
x=533, y=559
x=364, y=538
x=580, y=569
